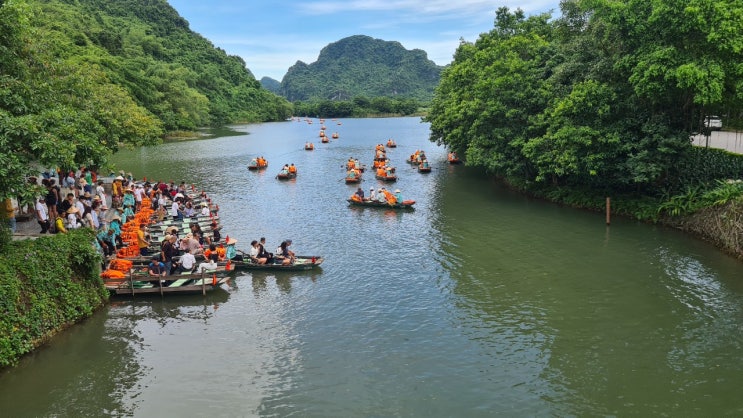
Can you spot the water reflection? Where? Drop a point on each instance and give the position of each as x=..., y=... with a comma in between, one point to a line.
x=479, y=302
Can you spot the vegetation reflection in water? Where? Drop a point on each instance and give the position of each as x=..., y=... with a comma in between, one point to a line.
x=478, y=302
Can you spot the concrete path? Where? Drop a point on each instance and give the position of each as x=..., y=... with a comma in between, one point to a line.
x=731, y=141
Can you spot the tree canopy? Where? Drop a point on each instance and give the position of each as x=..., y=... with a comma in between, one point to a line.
x=604, y=96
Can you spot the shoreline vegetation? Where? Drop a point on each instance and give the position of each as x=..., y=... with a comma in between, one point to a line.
x=46, y=285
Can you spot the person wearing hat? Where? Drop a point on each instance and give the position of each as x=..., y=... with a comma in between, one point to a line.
x=117, y=191
x=73, y=222
x=231, y=251
x=168, y=250
x=205, y=209
x=398, y=196
x=128, y=199
x=381, y=198
x=372, y=194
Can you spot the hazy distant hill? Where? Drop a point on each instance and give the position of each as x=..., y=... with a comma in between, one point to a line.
x=271, y=84
x=363, y=66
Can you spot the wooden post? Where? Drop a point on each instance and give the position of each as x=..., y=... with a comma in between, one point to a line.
x=608, y=211
x=203, y=284
x=131, y=281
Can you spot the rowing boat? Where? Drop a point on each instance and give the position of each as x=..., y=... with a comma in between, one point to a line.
x=301, y=262
x=407, y=204
x=286, y=176
x=138, y=283
x=390, y=178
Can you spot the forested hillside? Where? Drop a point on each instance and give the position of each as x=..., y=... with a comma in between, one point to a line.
x=271, y=85
x=361, y=66
x=78, y=78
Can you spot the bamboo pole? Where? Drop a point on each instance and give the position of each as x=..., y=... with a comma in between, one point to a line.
x=608, y=211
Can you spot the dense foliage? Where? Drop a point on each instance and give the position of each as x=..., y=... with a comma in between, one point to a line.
x=358, y=107
x=361, y=66
x=46, y=285
x=603, y=98
x=79, y=78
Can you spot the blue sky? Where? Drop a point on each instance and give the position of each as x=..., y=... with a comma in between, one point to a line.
x=272, y=35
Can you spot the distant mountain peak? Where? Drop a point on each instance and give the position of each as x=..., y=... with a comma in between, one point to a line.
x=360, y=65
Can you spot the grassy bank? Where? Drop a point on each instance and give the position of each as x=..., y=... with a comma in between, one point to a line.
x=46, y=285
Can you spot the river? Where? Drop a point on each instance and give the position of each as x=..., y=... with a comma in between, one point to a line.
x=480, y=302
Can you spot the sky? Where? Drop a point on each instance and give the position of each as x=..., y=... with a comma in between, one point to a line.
x=272, y=35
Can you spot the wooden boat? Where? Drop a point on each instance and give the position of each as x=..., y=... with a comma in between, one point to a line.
x=391, y=144
x=352, y=180
x=454, y=160
x=407, y=204
x=388, y=178
x=324, y=140
x=335, y=135
x=422, y=169
x=137, y=283
x=309, y=147
x=254, y=165
x=286, y=176
x=301, y=262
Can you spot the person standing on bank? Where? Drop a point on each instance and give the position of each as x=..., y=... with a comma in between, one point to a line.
x=42, y=215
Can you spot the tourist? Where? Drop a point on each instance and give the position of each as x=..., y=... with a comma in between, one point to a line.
x=283, y=254
x=73, y=221
x=168, y=250
x=372, y=194
x=216, y=235
x=262, y=251
x=52, y=198
x=209, y=265
x=255, y=253
x=107, y=240
x=66, y=204
x=360, y=193
x=188, y=210
x=205, y=211
x=398, y=196
x=143, y=242
x=42, y=215
x=186, y=263
x=175, y=210
x=231, y=251
x=381, y=196
x=157, y=268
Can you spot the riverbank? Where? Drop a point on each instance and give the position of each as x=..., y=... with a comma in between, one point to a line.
x=46, y=285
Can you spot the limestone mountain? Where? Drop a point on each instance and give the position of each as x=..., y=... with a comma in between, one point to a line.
x=360, y=65
x=271, y=84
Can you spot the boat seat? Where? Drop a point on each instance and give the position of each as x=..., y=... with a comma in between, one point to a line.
x=179, y=282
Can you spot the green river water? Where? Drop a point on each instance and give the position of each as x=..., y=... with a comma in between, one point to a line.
x=481, y=302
